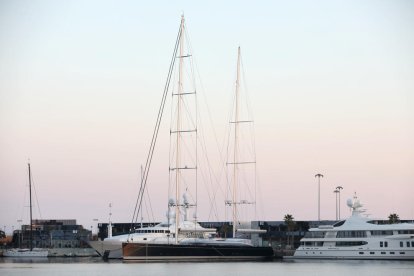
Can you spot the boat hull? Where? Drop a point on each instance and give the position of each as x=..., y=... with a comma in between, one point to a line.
x=202, y=252
x=357, y=254
x=26, y=253
x=108, y=250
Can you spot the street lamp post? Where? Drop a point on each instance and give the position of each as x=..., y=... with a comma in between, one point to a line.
x=319, y=195
x=336, y=203
x=20, y=232
x=96, y=220
x=339, y=188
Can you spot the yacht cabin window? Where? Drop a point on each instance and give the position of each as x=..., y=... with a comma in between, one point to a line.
x=351, y=234
x=381, y=233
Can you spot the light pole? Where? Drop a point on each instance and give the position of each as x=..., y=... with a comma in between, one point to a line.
x=336, y=203
x=20, y=232
x=319, y=195
x=96, y=220
x=339, y=188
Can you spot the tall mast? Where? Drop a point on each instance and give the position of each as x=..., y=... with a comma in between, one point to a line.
x=236, y=146
x=178, y=141
x=30, y=206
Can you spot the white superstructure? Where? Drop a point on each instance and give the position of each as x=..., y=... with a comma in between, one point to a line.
x=162, y=233
x=358, y=237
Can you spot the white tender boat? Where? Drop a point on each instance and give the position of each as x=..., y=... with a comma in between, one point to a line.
x=358, y=237
x=25, y=252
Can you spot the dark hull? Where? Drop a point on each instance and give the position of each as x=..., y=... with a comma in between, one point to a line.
x=200, y=252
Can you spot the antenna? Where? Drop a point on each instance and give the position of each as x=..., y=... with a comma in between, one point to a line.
x=110, y=222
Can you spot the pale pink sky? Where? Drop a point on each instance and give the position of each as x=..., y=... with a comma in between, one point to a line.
x=331, y=88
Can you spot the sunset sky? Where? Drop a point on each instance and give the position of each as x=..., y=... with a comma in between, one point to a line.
x=331, y=87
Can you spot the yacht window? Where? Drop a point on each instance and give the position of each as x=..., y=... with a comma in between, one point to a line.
x=401, y=244
x=361, y=253
x=392, y=253
x=318, y=243
x=351, y=234
x=405, y=231
x=412, y=244
x=382, y=253
x=372, y=253
x=381, y=233
x=318, y=234
x=339, y=223
x=386, y=244
x=351, y=243
x=381, y=244
x=408, y=244
x=402, y=253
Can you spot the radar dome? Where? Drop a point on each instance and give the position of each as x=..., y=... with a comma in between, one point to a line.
x=171, y=202
x=185, y=197
x=349, y=203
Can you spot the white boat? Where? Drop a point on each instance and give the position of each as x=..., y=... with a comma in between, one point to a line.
x=358, y=237
x=28, y=252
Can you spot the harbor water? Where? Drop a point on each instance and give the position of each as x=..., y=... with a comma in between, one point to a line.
x=95, y=266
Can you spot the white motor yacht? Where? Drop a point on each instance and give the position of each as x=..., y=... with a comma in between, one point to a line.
x=358, y=237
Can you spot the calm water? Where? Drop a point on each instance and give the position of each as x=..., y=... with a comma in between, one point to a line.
x=94, y=266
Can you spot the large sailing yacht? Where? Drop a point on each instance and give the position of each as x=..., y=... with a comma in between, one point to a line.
x=358, y=237
x=190, y=243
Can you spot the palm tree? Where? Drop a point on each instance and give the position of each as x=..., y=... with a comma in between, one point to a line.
x=393, y=218
x=289, y=221
x=224, y=229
